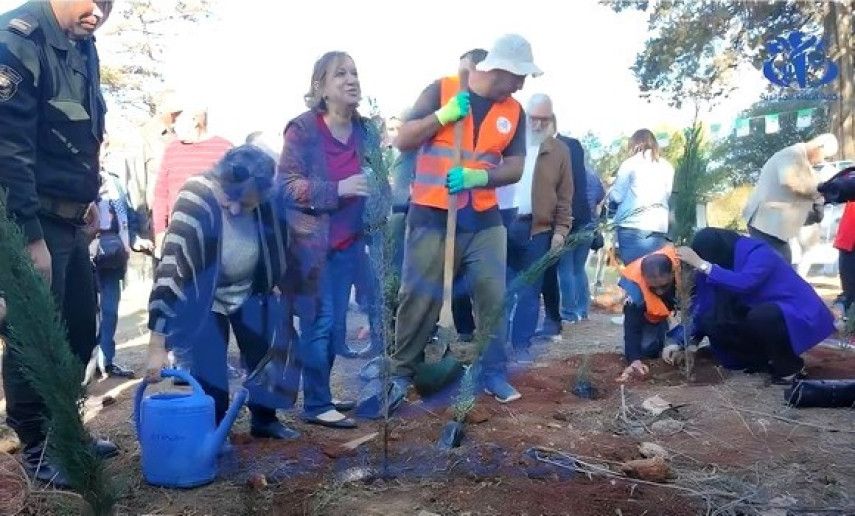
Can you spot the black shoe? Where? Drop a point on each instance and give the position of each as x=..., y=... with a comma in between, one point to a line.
x=104, y=448
x=550, y=328
x=344, y=405
x=39, y=468
x=119, y=371
x=272, y=430
x=789, y=379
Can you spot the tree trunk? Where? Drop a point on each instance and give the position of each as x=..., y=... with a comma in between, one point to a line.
x=839, y=27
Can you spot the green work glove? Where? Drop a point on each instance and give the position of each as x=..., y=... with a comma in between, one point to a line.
x=460, y=178
x=454, y=109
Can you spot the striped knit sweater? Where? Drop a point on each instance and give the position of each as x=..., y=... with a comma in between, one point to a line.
x=186, y=278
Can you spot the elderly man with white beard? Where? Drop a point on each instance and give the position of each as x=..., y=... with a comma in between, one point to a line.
x=543, y=197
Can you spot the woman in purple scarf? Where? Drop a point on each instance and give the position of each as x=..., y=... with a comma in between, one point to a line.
x=758, y=314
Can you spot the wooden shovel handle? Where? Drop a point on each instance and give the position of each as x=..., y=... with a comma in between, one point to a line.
x=446, y=317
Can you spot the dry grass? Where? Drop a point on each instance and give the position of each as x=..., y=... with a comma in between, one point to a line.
x=726, y=211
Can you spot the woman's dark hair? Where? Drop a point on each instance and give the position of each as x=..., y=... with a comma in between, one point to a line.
x=244, y=167
x=315, y=96
x=716, y=245
x=644, y=140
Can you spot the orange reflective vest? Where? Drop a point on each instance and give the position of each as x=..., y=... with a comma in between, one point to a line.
x=655, y=309
x=435, y=158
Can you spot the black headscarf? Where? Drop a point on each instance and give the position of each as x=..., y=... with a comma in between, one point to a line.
x=716, y=246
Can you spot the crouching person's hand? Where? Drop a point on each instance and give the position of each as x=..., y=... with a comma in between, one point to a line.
x=636, y=368
x=672, y=354
x=158, y=358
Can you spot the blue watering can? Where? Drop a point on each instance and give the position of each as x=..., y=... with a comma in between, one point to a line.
x=179, y=439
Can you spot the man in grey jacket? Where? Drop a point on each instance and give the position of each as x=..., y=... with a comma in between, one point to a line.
x=786, y=191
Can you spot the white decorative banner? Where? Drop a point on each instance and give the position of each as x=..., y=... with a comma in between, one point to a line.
x=772, y=123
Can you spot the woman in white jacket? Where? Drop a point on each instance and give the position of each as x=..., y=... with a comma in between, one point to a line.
x=641, y=191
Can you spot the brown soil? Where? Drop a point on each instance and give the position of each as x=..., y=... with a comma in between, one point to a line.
x=828, y=363
x=732, y=441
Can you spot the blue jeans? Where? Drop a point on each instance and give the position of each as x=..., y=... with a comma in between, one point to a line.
x=523, y=251
x=324, y=330
x=110, y=289
x=635, y=243
x=573, y=279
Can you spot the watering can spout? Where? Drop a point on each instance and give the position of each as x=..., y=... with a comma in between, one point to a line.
x=215, y=441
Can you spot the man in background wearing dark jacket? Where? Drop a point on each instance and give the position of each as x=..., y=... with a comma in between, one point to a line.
x=561, y=294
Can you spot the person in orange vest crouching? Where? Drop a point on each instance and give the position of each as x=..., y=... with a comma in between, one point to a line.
x=493, y=154
x=650, y=283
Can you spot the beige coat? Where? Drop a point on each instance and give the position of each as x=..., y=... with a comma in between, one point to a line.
x=784, y=193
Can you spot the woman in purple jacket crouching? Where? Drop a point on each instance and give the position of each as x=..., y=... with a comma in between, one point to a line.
x=757, y=312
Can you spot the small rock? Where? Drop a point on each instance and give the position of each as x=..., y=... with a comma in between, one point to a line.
x=356, y=474
x=561, y=416
x=649, y=450
x=655, y=405
x=336, y=450
x=257, y=481
x=666, y=426
x=427, y=513
x=394, y=435
x=106, y=401
x=635, y=428
x=652, y=470
x=478, y=415
x=10, y=444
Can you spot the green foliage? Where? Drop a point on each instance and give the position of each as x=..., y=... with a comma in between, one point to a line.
x=37, y=337
x=737, y=160
x=605, y=159
x=464, y=401
x=695, y=46
x=688, y=183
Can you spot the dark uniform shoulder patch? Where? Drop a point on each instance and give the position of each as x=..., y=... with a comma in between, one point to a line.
x=23, y=25
x=9, y=80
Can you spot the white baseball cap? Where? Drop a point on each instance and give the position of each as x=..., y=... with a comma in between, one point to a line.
x=511, y=53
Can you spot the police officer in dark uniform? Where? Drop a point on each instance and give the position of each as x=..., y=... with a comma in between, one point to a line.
x=52, y=114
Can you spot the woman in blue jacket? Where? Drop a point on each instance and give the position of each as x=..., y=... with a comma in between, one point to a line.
x=757, y=312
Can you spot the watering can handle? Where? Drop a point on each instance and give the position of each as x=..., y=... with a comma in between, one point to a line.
x=175, y=373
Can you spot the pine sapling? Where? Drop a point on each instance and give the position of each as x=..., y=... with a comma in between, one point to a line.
x=685, y=287
x=37, y=340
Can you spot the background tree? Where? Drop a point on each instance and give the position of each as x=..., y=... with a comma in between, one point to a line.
x=689, y=183
x=605, y=159
x=140, y=33
x=736, y=160
x=696, y=46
